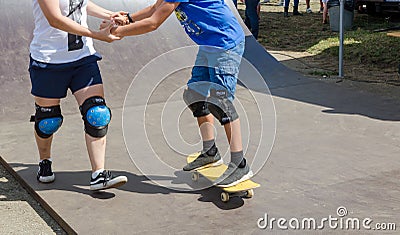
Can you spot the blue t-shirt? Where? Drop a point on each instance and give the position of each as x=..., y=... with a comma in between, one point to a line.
x=209, y=23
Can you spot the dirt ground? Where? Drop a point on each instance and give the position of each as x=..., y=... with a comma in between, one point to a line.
x=289, y=45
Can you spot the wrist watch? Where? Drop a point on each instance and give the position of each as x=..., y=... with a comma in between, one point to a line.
x=129, y=18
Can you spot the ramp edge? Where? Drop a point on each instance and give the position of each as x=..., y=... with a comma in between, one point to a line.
x=67, y=228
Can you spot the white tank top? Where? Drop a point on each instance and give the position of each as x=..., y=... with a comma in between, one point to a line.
x=51, y=45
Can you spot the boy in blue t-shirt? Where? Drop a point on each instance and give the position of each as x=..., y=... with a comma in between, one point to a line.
x=210, y=91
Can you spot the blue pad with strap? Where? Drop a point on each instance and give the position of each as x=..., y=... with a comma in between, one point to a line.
x=96, y=116
x=47, y=120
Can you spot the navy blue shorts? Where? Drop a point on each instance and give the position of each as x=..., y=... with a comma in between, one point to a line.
x=54, y=80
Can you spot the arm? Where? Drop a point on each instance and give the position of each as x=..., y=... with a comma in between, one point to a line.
x=161, y=12
x=97, y=11
x=51, y=11
x=145, y=12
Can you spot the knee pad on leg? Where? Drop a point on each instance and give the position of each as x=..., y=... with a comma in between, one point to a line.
x=196, y=103
x=47, y=120
x=221, y=107
x=96, y=116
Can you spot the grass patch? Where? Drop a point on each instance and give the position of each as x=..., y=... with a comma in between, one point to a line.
x=322, y=73
x=365, y=51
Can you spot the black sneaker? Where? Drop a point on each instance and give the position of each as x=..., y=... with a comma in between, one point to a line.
x=234, y=175
x=45, y=175
x=297, y=13
x=204, y=160
x=106, y=180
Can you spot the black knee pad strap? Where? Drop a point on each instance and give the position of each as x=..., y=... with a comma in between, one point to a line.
x=96, y=116
x=221, y=107
x=47, y=120
x=196, y=103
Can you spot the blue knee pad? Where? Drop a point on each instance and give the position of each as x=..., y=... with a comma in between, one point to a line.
x=47, y=120
x=96, y=116
x=221, y=107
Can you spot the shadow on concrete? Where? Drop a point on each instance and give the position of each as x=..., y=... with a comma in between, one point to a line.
x=77, y=182
x=336, y=99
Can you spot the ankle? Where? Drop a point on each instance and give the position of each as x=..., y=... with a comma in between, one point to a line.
x=242, y=163
x=237, y=157
x=208, y=145
x=48, y=159
x=96, y=173
x=212, y=151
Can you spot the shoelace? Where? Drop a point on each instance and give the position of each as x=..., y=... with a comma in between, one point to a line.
x=107, y=176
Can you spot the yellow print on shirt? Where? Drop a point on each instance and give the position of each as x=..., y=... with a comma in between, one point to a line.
x=190, y=27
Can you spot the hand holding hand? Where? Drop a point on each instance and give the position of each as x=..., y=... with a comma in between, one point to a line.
x=105, y=32
x=105, y=24
x=120, y=18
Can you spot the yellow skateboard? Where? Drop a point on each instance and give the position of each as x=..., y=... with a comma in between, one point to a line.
x=243, y=189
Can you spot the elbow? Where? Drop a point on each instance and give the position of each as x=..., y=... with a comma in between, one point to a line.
x=55, y=23
x=154, y=25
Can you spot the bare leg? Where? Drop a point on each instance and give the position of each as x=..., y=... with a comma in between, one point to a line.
x=96, y=147
x=325, y=14
x=308, y=4
x=209, y=152
x=44, y=145
x=206, y=125
x=234, y=135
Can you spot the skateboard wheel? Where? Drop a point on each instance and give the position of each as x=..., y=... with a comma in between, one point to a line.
x=249, y=193
x=224, y=196
x=195, y=176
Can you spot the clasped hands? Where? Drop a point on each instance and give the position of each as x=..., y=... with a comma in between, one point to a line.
x=108, y=26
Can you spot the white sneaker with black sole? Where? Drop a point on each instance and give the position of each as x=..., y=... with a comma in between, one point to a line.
x=45, y=174
x=105, y=180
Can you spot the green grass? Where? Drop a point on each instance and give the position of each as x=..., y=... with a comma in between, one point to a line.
x=364, y=49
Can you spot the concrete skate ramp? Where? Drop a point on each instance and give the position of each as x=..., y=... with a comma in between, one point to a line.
x=334, y=146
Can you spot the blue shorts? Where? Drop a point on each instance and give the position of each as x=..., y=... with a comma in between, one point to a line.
x=54, y=80
x=216, y=69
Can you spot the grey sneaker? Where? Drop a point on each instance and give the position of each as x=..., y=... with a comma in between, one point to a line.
x=204, y=161
x=234, y=175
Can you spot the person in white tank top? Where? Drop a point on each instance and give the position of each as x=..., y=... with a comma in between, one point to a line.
x=62, y=44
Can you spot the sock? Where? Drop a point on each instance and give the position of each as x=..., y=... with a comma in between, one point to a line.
x=237, y=157
x=96, y=173
x=208, y=144
x=46, y=159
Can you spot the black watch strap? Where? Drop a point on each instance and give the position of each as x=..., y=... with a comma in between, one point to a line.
x=129, y=18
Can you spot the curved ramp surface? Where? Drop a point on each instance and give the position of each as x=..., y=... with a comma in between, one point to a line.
x=334, y=146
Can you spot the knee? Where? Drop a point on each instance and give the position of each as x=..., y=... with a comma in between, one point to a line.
x=221, y=107
x=47, y=120
x=196, y=103
x=96, y=116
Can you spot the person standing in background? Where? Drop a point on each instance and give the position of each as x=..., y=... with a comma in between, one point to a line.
x=252, y=18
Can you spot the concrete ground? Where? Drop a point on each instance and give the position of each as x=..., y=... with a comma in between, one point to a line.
x=321, y=150
x=20, y=212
